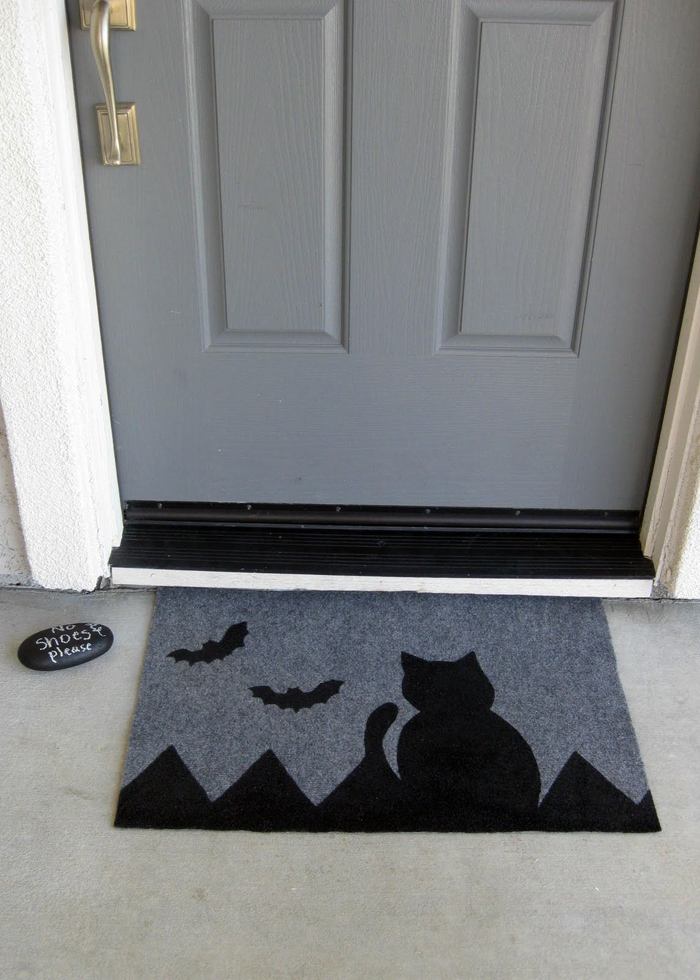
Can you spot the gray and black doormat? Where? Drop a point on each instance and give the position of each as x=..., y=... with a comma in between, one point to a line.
x=321, y=711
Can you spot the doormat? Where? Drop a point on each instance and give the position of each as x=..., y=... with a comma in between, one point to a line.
x=322, y=711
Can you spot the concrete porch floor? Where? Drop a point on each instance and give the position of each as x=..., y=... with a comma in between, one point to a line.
x=83, y=900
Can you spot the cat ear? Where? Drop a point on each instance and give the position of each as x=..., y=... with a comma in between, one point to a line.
x=409, y=659
x=470, y=663
x=482, y=691
x=469, y=659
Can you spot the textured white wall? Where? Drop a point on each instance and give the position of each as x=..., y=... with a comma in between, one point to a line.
x=14, y=569
x=52, y=386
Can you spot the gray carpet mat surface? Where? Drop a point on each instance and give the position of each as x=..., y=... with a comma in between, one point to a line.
x=381, y=711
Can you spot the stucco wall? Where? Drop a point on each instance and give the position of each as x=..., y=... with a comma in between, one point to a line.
x=14, y=569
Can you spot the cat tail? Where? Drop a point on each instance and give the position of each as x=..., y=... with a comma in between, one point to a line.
x=378, y=724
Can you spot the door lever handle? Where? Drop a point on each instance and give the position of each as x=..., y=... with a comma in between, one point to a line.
x=99, y=41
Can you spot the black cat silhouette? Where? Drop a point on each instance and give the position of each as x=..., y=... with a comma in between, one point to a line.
x=462, y=766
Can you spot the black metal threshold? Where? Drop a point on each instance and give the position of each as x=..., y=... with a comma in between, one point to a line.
x=149, y=511
x=382, y=541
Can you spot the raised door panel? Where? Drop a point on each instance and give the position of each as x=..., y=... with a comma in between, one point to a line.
x=530, y=87
x=266, y=114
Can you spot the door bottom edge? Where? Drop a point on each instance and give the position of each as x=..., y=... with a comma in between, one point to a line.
x=603, y=588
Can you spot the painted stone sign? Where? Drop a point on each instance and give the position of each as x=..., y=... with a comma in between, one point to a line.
x=59, y=647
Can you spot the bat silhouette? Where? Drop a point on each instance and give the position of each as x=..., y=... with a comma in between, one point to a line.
x=232, y=639
x=295, y=698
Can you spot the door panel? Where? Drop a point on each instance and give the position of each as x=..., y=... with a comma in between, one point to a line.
x=276, y=83
x=541, y=74
x=270, y=81
x=395, y=251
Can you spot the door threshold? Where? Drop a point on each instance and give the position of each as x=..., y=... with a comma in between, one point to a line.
x=483, y=557
x=613, y=588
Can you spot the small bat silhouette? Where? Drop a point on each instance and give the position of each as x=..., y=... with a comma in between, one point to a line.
x=295, y=698
x=232, y=639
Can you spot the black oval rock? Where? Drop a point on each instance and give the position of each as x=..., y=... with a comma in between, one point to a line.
x=59, y=647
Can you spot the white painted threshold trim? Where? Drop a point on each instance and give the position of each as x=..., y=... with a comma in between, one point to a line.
x=584, y=587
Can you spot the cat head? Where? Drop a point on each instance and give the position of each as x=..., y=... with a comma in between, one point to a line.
x=440, y=684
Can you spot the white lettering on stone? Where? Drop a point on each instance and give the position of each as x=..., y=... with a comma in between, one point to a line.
x=46, y=642
x=57, y=647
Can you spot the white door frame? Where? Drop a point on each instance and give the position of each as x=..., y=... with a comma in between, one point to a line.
x=52, y=379
x=52, y=376
x=675, y=480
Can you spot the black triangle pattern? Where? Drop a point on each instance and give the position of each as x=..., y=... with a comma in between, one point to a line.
x=581, y=799
x=167, y=796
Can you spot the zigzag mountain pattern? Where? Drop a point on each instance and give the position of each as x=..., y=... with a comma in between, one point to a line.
x=167, y=796
x=582, y=799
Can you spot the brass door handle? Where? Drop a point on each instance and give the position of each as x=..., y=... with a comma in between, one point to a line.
x=99, y=41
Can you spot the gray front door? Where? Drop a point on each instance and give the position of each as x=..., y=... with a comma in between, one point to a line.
x=395, y=251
